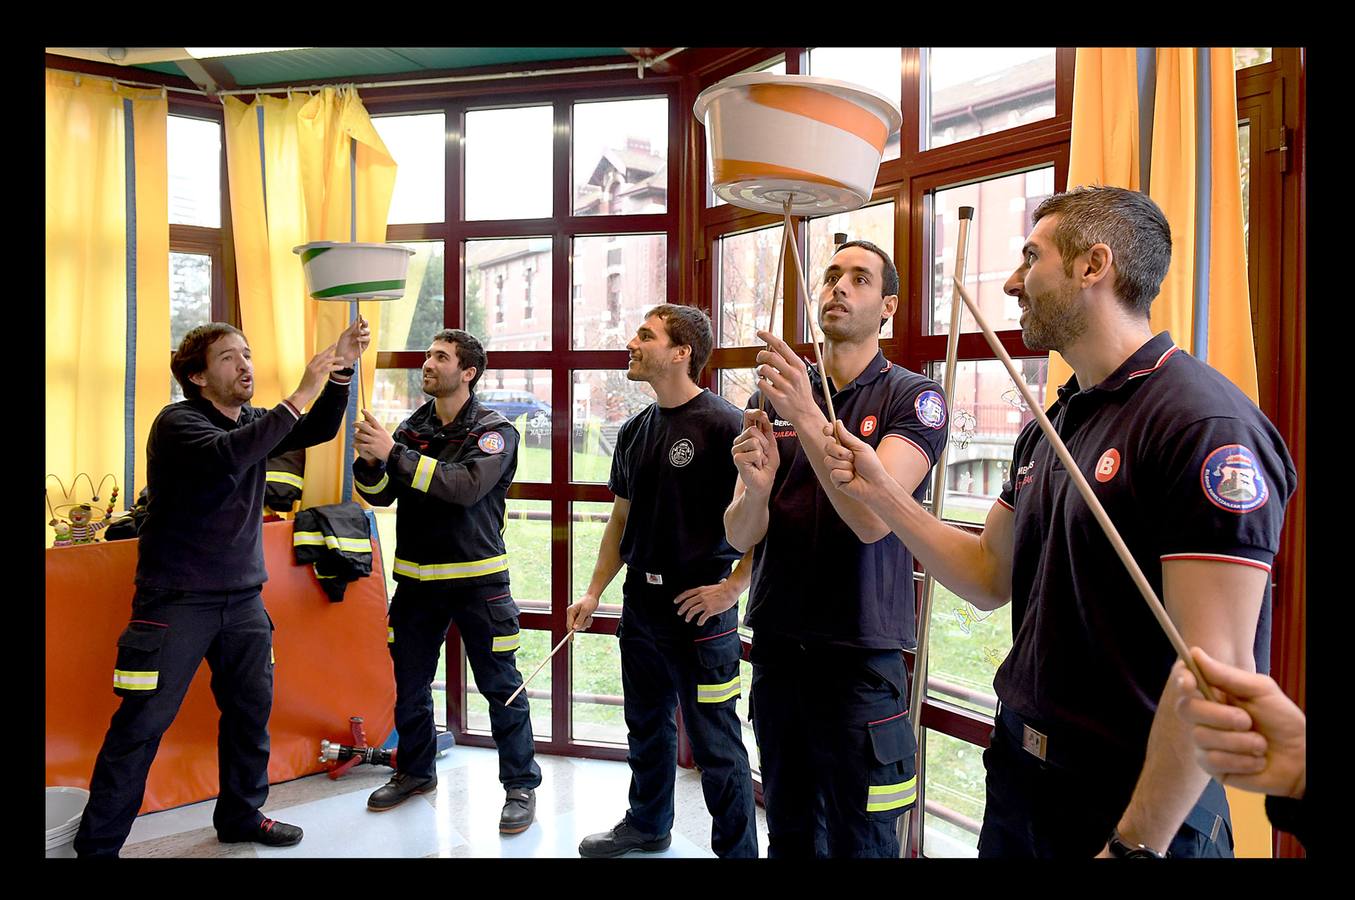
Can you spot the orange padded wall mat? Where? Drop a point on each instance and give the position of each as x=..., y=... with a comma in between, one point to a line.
x=330, y=662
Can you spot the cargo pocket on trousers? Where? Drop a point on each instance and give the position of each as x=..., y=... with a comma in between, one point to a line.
x=717, y=668
x=893, y=778
x=137, y=670
x=503, y=622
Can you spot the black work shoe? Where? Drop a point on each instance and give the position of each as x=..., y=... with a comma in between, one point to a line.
x=269, y=832
x=519, y=810
x=622, y=839
x=399, y=789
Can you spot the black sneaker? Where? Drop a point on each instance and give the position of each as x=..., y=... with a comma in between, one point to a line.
x=620, y=840
x=399, y=789
x=269, y=832
x=519, y=810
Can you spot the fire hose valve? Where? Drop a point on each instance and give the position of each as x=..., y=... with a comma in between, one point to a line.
x=343, y=753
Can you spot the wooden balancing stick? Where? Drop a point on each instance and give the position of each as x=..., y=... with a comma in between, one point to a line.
x=809, y=321
x=522, y=687
x=776, y=292
x=1079, y=480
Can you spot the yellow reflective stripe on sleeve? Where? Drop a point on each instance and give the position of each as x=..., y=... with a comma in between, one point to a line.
x=318, y=575
x=442, y=571
x=504, y=643
x=285, y=478
x=318, y=539
x=884, y=797
x=423, y=473
x=717, y=693
x=375, y=488
x=271, y=661
x=136, y=681
x=390, y=635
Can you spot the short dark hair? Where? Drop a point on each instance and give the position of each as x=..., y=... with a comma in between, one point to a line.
x=191, y=357
x=469, y=351
x=1128, y=222
x=890, y=285
x=687, y=327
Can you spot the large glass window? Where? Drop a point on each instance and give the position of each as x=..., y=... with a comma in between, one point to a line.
x=621, y=157
x=876, y=68
x=603, y=401
x=508, y=286
x=870, y=223
x=410, y=322
x=982, y=90
x=508, y=163
x=615, y=279
x=587, y=523
x=418, y=144
x=193, y=156
x=190, y=301
x=527, y=536
x=522, y=396
x=747, y=279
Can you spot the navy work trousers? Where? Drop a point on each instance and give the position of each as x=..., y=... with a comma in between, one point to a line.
x=420, y=615
x=665, y=662
x=170, y=634
x=1038, y=810
x=836, y=745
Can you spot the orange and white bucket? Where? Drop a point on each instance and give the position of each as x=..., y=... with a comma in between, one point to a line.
x=816, y=141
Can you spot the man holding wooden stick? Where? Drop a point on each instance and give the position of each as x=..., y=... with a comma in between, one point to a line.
x=679, y=633
x=450, y=465
x=1195, y=479
x=832, y=603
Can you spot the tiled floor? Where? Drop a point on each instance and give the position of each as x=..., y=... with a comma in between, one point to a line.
x=460, y=819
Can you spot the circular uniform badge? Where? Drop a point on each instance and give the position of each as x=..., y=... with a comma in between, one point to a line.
x=868, y=425
x=682, y=453
x=931, y=409
x=1108, y=465
x=1232, y=480
x=491, y=442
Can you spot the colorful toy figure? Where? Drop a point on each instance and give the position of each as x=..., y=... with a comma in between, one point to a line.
x=63, y=533
x=83, y=531
x=77, y=527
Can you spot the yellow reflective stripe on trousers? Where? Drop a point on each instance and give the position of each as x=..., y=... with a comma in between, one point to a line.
x=285, y=478
x=423, y=473
x=135, y=681
x=375, y=488
x=717, y=693
x=504, y=643
x=319, y=539
x=442, y=571
x=884, y=797
x=390, y=635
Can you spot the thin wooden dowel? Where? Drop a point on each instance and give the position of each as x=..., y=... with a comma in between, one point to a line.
x=1079, y=480
x=522, y=687
x=776, y=291
x=809, y=321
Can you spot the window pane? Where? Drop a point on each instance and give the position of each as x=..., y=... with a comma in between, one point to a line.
x=954, y=796
x=621, y=157
x=774, y=68
x=736, y=385
x=987, y=413
x=596, y=691
x=981, y=90
x=877, y=68
x=395, y=394
x=419, y=146
x=603, y=400
x=615, y=279
x=508, y=163
x=410, y=322
x=508, y=293
x=1251, y=56
x=747, y=276
x=587, y=522
x=536, y=646
x=193, y=155
x=1002, y=210
x=522, y=396
x=871, y=223
x=190, y=302
x=527, y=536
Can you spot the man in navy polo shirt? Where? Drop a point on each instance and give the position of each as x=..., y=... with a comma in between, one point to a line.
x=1195, y=479
x=832, y=603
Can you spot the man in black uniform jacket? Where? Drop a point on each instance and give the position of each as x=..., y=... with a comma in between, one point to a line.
x=832, y=604
x=1087, y=755
x=198, y=578
x=450, y=465
x=672, y=477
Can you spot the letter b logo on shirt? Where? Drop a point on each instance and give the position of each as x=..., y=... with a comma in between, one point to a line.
x=1108, y=465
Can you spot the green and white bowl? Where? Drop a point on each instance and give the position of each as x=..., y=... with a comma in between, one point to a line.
x=352, y=271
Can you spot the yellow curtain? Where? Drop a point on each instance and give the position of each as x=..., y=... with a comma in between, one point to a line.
x=1197, y=191
x=107, y=265
x=289, y=164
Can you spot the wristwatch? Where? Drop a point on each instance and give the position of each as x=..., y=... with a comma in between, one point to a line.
x=1121, y=850
x=344, y=373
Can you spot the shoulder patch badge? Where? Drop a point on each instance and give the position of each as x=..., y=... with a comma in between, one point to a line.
x=491, y=442
x=681, y=453
x=868, y=425
x=931, y=409
x=1232, y=480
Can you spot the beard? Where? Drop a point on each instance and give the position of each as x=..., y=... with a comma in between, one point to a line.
x=230, y=391
x=1053, y=319
x=854, y=327
x=638, y=371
